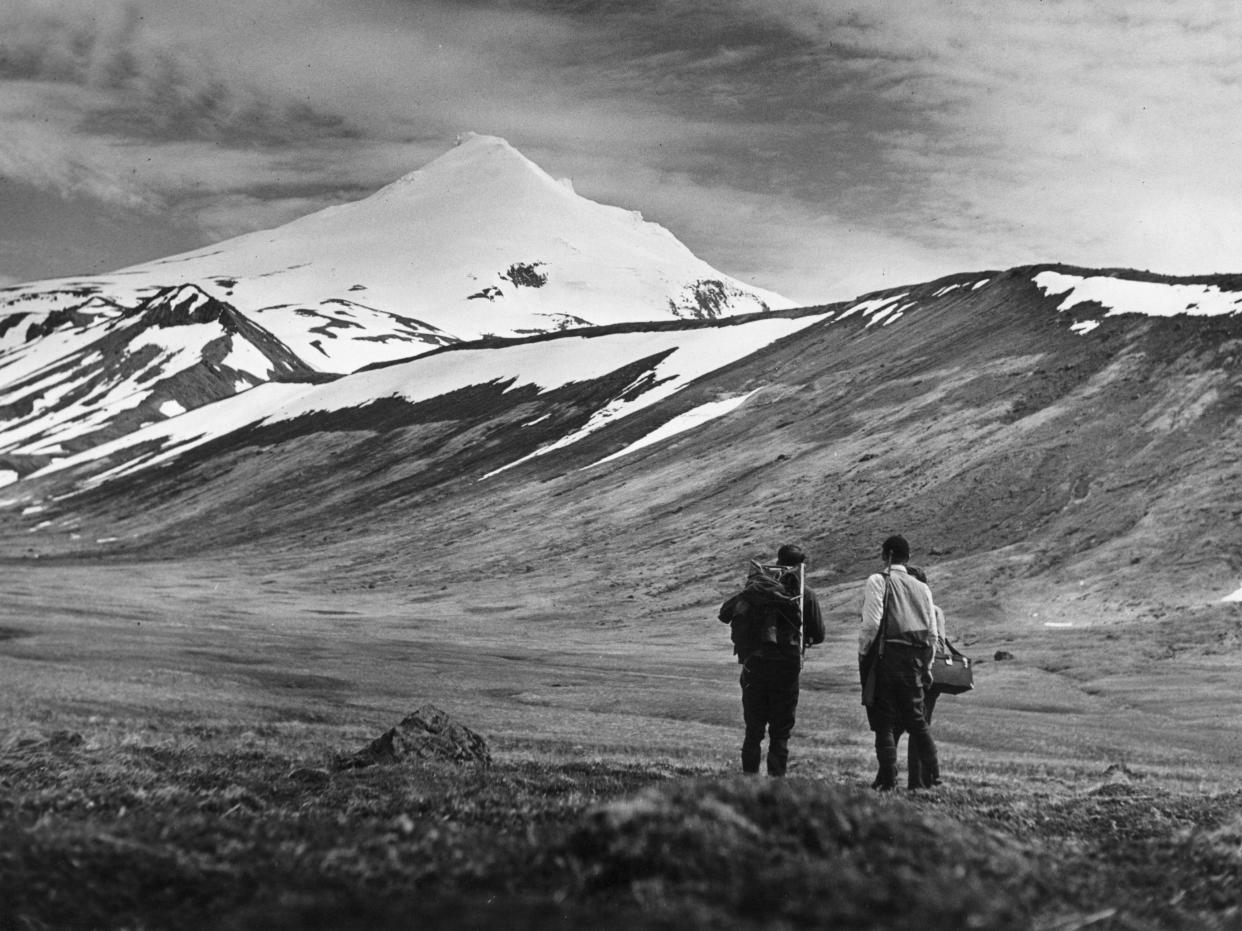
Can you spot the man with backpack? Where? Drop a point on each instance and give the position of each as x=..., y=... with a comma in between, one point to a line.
x=895, y=646
x=773, y=620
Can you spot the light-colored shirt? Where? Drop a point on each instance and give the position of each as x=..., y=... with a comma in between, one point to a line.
x=921, y=613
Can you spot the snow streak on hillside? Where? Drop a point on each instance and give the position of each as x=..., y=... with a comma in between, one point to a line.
x=674, y=358
x=692, y=354
x=105, y=371
x=690, y=420
x=1132, y=296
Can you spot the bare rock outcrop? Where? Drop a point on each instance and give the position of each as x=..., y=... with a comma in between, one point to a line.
x=427, y=734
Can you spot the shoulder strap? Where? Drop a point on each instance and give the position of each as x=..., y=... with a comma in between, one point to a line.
x=801, y=610
x=881, y=634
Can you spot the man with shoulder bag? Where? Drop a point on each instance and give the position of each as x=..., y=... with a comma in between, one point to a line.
x=896, y=643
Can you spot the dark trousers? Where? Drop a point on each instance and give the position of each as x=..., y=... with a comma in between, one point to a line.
x=769, y=701
x=900, y=707
x=918, y=775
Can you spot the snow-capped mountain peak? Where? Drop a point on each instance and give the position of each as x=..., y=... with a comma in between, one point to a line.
x=477, y=160
x=480, y=241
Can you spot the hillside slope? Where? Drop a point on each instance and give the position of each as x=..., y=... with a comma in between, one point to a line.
x=1044, y=468
x=100, y=371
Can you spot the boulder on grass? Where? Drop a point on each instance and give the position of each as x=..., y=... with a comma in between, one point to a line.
x=427, y=734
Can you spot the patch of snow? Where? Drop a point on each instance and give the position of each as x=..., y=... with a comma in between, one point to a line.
x=33, y=509
x=1058, y=623
x=1236, y=596
x=8, y=477
x=946, y=289
x=881, y=315
x=180, y=346
x=872, y=306
x=182, y=433
x=348, y=338
x=680, y=424
x=29, y=358
x=1084, y=326
x=891, y=314
x=171, y=408
x=694, y=353
x=245, y=357
x=1127, y=296
x=979, y=284
x=44, y=432
x=678, y=357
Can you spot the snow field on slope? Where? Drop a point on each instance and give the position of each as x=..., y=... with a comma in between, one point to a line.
x=547, y=365
x=696, y=353
x=1150, y=298
x=343, y=339
x=689, y=420
x=179, y=348
x=27, y=359
x=184, y=432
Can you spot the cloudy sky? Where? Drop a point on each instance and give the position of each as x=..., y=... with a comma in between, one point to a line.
x=818, y=148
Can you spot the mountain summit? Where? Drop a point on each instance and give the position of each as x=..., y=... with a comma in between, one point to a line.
x=480, y=241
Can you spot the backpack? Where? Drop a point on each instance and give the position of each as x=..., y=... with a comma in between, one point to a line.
x=768, y=611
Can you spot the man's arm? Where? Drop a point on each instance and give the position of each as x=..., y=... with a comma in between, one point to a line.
x=942, y=636
x=732, y=608
x=872, y=612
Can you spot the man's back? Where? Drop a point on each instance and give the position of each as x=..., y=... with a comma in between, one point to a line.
x=911, y=614
x=910, y=609
x=771, y=621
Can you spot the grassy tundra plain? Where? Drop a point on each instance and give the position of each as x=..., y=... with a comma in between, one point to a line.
x=168, y=734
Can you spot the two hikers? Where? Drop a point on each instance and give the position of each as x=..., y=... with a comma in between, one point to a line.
x=773, y=620
x=896, y=644
x=901, y=628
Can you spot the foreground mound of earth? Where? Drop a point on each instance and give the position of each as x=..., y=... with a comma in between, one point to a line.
x=807, y=854
x=220, y=827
